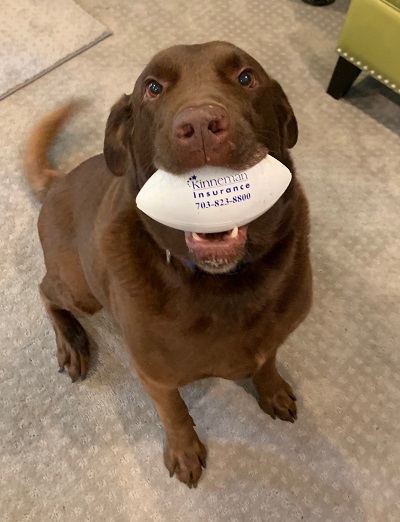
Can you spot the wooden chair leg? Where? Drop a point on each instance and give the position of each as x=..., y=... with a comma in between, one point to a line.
x=343, y=77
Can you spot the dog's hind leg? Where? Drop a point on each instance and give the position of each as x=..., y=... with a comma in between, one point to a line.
x=73, y=353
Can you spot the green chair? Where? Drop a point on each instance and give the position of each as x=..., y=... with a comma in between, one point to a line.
x=369, y=42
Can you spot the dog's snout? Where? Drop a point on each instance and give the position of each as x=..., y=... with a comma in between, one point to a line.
x=206, y=127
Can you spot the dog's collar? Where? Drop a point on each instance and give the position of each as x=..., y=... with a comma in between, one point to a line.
x=196, y=269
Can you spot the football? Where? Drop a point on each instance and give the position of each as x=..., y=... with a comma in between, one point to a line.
x=213, y=199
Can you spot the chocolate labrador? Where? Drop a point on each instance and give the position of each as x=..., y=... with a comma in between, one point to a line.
x=189, y=305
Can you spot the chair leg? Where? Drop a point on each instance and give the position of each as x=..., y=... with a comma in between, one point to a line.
x=343, y=76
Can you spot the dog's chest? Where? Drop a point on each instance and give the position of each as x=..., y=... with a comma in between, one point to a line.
x=196, y=342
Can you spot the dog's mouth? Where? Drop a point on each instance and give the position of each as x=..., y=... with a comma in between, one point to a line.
x=217, y=252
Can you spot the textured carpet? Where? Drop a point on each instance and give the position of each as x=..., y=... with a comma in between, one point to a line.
x=92, y=451
x=39, y=35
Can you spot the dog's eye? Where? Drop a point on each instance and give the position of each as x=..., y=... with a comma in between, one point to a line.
x=246, y=78
x=154, y=88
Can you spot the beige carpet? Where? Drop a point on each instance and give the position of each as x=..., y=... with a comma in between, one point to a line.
x=92, y=451
x=39, y=35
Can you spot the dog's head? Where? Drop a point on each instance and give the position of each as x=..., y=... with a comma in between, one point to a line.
x=209, y=104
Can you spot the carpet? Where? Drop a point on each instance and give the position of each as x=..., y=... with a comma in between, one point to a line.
x=91, y=451
x=39, y=35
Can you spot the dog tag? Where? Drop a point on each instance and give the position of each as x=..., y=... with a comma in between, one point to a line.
x=213, y=199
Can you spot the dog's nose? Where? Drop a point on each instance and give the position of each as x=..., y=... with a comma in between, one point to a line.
x=202, y=128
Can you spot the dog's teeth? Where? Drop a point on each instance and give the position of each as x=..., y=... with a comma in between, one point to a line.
x=196, y=237
x=235, y=232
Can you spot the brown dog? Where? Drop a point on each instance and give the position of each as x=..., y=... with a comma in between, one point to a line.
x=227, y=315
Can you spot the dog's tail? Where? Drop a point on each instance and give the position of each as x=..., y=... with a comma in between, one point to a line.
x=38, y=169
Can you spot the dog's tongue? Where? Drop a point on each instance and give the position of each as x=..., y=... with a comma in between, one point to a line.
x=216, y=236
x=217, y=247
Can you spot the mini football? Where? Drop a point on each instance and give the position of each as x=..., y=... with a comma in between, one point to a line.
x=213, y=199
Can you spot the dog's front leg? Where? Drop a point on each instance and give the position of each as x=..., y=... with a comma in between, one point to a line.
x=184, y=454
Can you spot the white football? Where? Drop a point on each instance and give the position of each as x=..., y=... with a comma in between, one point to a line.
x=213, y=199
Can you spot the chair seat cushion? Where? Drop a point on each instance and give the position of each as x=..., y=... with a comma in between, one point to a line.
x=393, y=3
x=371, y=39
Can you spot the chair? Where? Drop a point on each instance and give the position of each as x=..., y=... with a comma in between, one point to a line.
x=369, y=42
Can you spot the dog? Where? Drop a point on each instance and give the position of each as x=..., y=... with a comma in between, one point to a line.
x=217, y=304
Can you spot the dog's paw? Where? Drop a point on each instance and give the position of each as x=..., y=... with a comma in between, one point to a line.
x=74, y=358
x=185, y=460
x=280, y=402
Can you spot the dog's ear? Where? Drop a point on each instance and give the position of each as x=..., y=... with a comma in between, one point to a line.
x=118, y=134
x=286, y=118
